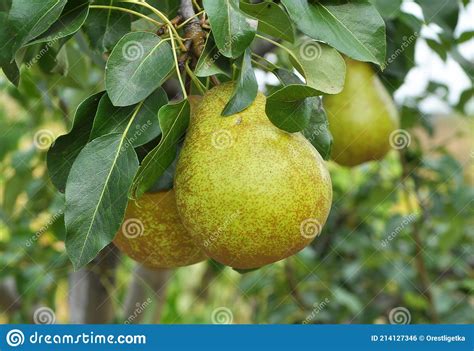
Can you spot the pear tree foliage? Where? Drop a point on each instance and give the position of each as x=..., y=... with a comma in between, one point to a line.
x=127, y=134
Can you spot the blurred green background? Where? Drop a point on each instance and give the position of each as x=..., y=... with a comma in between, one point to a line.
x=399, y=238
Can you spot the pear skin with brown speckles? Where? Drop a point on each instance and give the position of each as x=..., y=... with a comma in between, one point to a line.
x=152, y=233
x=361, y=117
x=249, y=193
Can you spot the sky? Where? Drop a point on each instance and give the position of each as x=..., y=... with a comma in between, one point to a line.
x=429, y=66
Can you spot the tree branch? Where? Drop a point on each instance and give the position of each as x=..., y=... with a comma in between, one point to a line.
x=145, y=285
x=409, y=172
x=193, y=29
x=9, y=297
x=293, y=286
x=89, y=300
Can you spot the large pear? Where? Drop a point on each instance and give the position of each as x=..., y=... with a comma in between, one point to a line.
x=153, y=234
x=361, y=117
x=249, y=193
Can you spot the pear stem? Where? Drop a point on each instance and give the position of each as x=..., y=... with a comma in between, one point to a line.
x=165, y=19
x=190, y=19
x=176, y=63
x=197, y=5
x=277, y=44
x=123, y=9
x=201, y=87
x=416, y=232
x=271, y=64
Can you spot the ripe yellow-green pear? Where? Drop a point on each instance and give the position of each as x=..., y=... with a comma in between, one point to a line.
x=249, y=193
x=361, y=117
x=153, y=234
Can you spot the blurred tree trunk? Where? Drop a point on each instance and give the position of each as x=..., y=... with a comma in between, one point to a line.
x=146, y=285
x=89, y=287
x=9, y=297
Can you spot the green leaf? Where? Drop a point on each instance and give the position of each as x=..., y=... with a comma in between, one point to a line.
x=165, y=181
x=438, y=48
x=169, y=7
x=7, y=40
x=174, y=119
x=5, y=5
x=65, y=149
x=322, y=66
x=388, y=8
x=289, y=107
x=96, y=196
x=317, y=130
x=465, y=36
x=110, y=119
x=211, y=61
x=402, y=33
x=138, y=65
x=233, y=30
x=354, y=28
x=104, y=28
x=272, y=19
x=245, y=89
x=286, y=77
x=442, y=12
x=466, y=96
x=12, y=72
x=72, y=18
x=145, y=126
x=53, y=61
x=32, y=18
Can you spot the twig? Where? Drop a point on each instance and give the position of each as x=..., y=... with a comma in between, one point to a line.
x=175, y=21
x=417, y=226
x=163, y=18
x=89, y=298
x=192, y=28
x=195, y=80
x=215, y=80
x=116, y=8
x=293, y=286
x=10, y=300
x=144, y=280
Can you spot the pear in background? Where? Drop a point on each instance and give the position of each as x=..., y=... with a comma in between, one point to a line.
x=361, y=117
x=249, y=193
x=153, y=234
